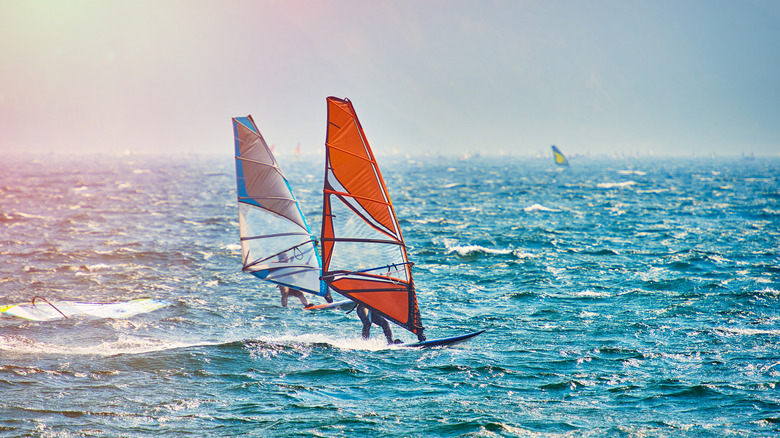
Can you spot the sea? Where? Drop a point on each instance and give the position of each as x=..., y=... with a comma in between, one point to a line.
x=621, y=297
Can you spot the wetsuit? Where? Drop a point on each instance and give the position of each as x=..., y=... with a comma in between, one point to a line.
x=367, y=317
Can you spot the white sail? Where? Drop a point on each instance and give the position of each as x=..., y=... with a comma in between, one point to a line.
x=45, y=310
x=276, y=242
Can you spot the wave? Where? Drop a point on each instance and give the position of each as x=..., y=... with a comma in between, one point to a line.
x=19, y=216
x=617, y=185
x=427, y=221
x=471, y=250
x=308, y=340
x=592, y=294
x=727, y=331
x=539, y=207
x=124, y=344
x=522, y=255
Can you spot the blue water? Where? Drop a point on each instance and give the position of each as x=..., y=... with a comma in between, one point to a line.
x=622, y=297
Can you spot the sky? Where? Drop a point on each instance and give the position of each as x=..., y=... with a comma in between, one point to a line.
x=679, y=77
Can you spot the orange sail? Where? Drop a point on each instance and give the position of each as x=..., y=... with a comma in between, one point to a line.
x=363, y=252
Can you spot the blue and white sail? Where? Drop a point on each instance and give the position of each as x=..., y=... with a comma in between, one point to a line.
x=277, y=244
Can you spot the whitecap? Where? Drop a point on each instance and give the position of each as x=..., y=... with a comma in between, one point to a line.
x=592, y=294
x=619, y=185
x=309, y=339
x=520, y=254
x=427, y=221
x=124, y=344
x=539, y=207
x=746, y=331
x=555, y=271
x=466, y=250
x=27, y=216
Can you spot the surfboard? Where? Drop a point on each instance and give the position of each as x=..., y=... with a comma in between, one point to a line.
x=332, y=305
x=45, y=310
x=442, y=342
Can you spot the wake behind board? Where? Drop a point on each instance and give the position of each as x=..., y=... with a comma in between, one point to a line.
x=443, y=342
x=332, y=305
x=45, y=310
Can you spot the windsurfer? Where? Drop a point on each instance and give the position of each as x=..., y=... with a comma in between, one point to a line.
x=367, y=317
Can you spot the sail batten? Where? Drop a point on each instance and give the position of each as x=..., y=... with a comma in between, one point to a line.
x=363, y=252
x=389, y=242
x=277, y=244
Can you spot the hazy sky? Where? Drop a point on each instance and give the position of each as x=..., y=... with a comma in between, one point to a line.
x=672, y=77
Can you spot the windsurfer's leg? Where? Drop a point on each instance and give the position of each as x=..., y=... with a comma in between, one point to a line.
x=300, y=296
x=381, y=322
x=283, y=291
x=362, y=313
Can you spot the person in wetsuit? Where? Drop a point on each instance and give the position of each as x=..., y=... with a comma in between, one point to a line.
x=367, y=317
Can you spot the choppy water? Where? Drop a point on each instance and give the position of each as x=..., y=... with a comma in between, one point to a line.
x=631, y=297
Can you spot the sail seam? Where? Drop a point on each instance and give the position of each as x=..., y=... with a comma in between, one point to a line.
x=351, y=153
x=277, y=198
x=265, y=236
x=249, y=160
x=350, y=195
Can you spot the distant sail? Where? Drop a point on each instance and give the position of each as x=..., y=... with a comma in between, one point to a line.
x=363, y=252
x=558, y=157
x=45, y=310
x=276, y=242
